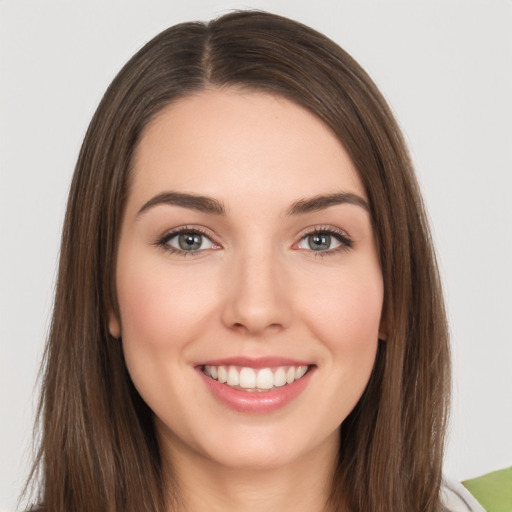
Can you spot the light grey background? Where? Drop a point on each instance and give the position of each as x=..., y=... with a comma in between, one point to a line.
x=445, y=67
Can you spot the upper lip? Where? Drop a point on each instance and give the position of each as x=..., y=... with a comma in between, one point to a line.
x=255, y=362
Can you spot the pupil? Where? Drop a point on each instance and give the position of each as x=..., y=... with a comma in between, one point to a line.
x=318, y=242
x=189, y=241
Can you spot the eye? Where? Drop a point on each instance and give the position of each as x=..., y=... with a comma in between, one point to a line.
x=325, y=241
x=186, y=241
x=319, y=242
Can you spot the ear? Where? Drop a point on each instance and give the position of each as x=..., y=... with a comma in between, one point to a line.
x=114, y=326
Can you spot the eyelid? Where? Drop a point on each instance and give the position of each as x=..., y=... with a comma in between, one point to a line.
x=162, y=241
x=345, y=240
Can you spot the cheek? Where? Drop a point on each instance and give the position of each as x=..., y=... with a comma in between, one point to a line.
x=160, y=308
x=348, y=302
x=346, y=316
x=160, y=317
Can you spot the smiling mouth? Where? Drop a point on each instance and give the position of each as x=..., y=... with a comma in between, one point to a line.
x=255, y=380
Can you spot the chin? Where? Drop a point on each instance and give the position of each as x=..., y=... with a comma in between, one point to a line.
x=264, y=448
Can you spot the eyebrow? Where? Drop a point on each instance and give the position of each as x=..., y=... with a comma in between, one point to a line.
x=321, y=202
x=201, y=203
x=213, y=206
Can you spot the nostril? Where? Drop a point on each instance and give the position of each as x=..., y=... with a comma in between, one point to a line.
x=253, y=328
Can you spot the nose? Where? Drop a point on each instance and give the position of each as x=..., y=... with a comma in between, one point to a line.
x=258, y=295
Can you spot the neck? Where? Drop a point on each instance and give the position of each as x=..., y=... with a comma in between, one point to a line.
x=301, y=486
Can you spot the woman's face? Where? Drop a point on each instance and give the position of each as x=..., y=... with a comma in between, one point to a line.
x=246, y=258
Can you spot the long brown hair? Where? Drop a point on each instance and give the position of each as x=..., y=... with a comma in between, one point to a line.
x=98, y=445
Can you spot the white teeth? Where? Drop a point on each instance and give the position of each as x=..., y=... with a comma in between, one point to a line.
x=279, y=378
x=265, y=379
x=233, y=377
x=249, y=378
x=300, y=371
x=222, y=374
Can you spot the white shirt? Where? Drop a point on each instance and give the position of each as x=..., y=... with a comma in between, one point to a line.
x=456, y=498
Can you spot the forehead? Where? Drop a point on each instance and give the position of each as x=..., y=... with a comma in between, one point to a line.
x=222, y=142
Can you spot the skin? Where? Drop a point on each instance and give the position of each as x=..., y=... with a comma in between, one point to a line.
x=255, y=288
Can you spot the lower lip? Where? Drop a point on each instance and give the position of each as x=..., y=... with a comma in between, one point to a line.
x=256, y=401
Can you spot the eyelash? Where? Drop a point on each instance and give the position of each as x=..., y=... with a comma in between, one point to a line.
x=346, y=242
x=342, y=237
x=163, y=242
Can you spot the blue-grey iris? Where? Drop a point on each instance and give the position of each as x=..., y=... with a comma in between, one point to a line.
x=319, y=242
x=190, y=241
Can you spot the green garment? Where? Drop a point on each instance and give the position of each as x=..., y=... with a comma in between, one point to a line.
x=493, y=491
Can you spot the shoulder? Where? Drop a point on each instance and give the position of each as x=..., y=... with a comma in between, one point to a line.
x=456, y=498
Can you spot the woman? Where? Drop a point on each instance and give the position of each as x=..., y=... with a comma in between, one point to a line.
x=248, y=314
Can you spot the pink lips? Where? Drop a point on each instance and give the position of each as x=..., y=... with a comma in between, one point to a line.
x=256, y=401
